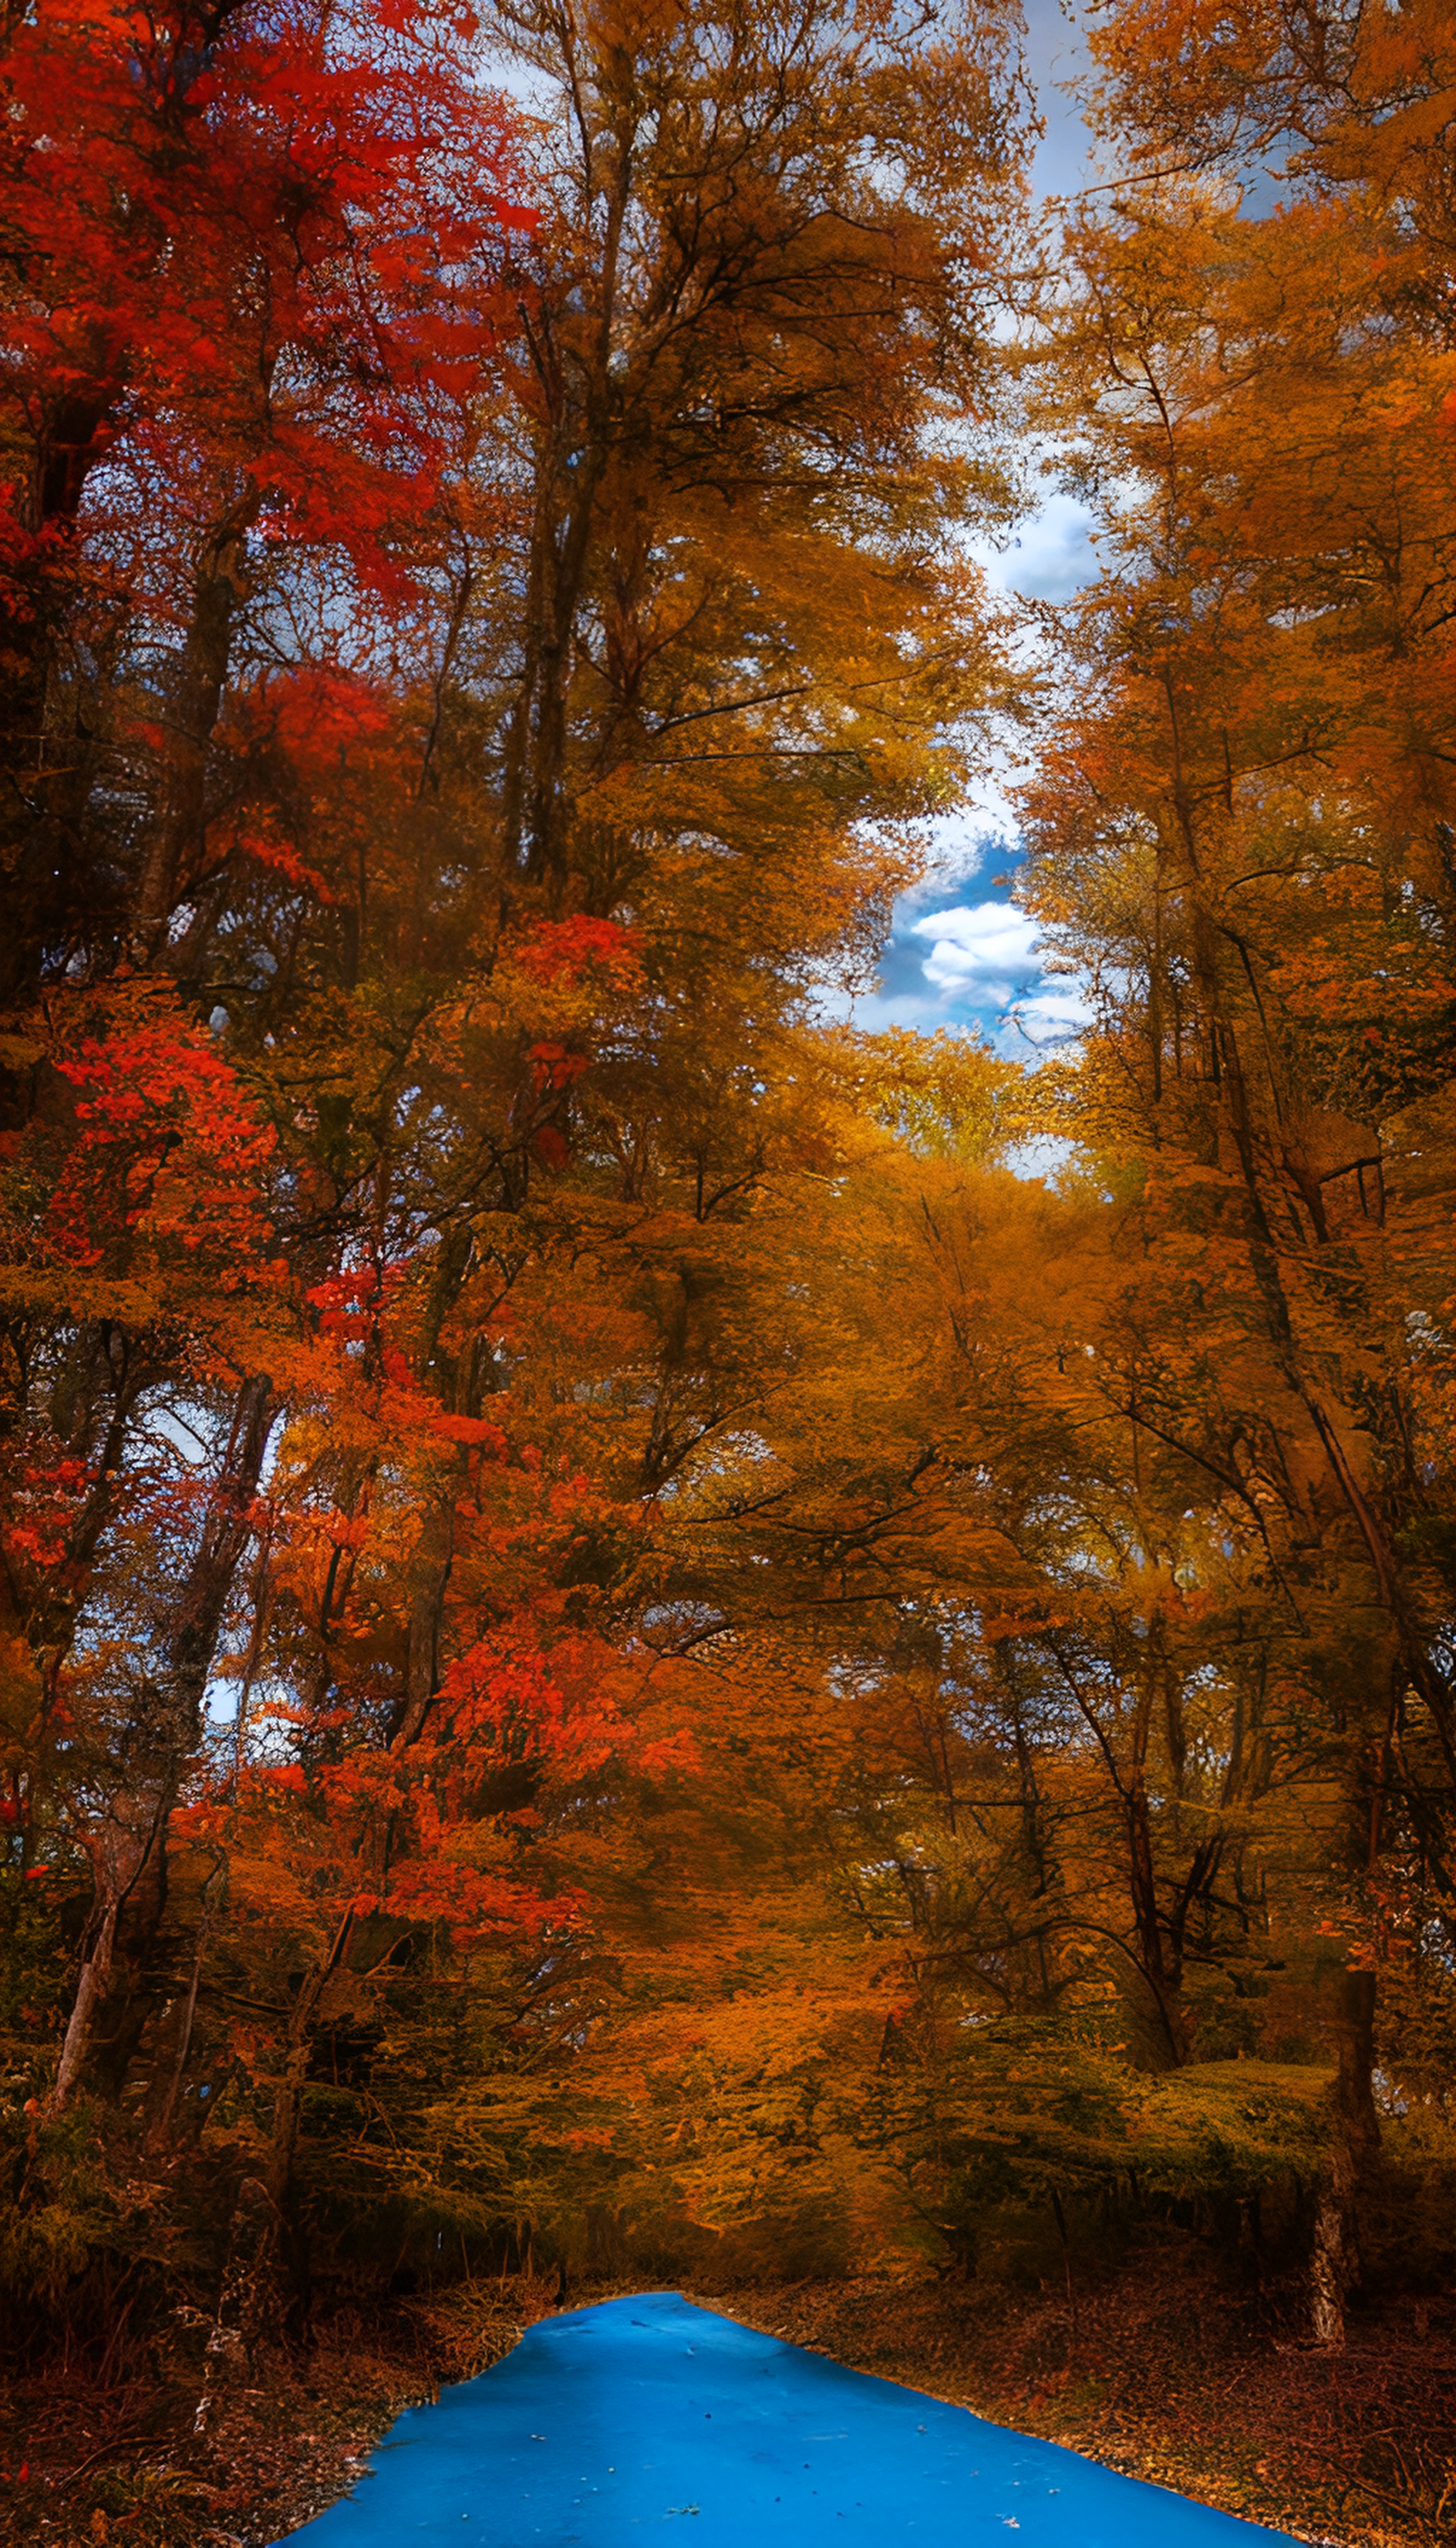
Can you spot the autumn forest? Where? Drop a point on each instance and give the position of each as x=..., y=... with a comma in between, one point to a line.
x=649, y=1636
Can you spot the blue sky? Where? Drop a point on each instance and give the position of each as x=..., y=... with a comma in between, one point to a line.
x=962, y=954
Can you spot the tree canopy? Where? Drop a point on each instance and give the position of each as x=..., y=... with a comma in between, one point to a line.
x=618, y=1639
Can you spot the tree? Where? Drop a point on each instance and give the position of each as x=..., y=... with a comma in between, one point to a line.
x=413, y=1051
x=252, y=261
x=1243, y=831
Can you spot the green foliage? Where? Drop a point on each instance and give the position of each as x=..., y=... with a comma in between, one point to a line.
x=1018, y=2117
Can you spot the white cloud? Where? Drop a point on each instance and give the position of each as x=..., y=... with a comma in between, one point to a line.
x=1040, y=1021
x=1057, y=554
x=1050, y=556
x=960, y=844
x=1051, y=1013
x=986, y=948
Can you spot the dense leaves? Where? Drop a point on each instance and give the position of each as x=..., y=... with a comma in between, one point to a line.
x=614, y=1639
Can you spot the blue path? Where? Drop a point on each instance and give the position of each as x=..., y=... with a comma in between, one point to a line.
x=647, y=2416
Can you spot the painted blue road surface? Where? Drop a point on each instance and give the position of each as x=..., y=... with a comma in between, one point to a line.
x=648, y=2419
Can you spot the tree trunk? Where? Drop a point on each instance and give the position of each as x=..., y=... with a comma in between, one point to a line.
x=1335, y=2265
x=90, y=1992
x=1352, y=2027
x=1161, y=1966
x=242, y=2295
x=1330, y=2270
x=288, y=2104
x=129, y=1849
x=179, y=829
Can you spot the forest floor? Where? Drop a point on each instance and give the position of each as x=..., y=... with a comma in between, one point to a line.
x=1164, y=2370
x=1164, y=2375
